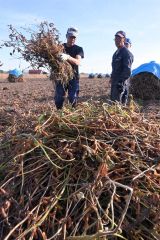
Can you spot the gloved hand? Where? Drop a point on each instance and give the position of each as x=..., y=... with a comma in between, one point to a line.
x=64, y=56
x=120, y=87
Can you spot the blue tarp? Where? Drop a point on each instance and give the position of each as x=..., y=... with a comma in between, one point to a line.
x=151, y=67
x=15, y=72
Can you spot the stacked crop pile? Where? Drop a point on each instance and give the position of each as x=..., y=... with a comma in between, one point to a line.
x=12, y=78
x=41, y=48
x=88, y=174
x=145, y=86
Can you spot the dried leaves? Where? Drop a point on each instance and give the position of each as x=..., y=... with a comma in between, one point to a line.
x=145, y=86
x=41, y=48
x=85, y=174
x=12, y=78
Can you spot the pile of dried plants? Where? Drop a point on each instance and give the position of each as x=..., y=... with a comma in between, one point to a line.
x=41, y=47
x=92, y=173
x=145, y=86
x=12, y=78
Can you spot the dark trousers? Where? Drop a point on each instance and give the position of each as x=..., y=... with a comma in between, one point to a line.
x=124, y=96
x=120, y=94
x=60, y=92
x=115, y=93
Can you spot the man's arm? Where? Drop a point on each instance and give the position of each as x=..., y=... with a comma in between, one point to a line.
x=76, y=60
x=127, y=64
x=73, y=60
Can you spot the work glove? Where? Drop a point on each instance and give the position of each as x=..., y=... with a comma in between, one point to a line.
x=64, y=56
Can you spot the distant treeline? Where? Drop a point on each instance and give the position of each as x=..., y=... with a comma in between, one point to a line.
x=2, y=71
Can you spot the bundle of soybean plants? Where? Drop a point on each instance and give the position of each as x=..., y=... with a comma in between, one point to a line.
x=41, y=47
x=145, y=86
x=92, y=173
x=12, y=78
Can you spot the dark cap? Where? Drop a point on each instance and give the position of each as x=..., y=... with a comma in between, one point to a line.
x=128, y=41
x=121, y=34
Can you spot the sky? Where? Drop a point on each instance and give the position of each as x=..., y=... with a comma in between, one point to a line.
x=97, y=22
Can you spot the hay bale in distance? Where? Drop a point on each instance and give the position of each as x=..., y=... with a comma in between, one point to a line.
x=12, y=78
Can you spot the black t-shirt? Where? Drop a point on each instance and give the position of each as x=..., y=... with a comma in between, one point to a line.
x=73, y=51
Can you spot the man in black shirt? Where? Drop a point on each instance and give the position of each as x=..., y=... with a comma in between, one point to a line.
x=121, y=69
x=73, y=54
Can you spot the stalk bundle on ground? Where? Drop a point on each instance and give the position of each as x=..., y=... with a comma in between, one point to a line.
x=12, y=78
x=88, y=174
x=41, y=47
x=145, y=86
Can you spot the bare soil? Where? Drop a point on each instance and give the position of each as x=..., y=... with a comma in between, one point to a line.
x=37, y=92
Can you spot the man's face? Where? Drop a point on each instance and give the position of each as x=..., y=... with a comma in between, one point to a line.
x=119, y=41
x=71, y=40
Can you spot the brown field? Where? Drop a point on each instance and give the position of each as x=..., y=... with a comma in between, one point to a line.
x=37, y=92
x=3, y=76
x=30, y=183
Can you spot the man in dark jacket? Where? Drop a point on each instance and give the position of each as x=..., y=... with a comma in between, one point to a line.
x=73, y=54
x=121, y=69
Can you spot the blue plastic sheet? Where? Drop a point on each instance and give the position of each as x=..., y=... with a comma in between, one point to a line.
x=15, y=72
x=151, y=67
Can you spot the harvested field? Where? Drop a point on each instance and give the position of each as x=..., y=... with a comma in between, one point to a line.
x=23, y=100
x=64, y=174
x=38, y=91
x=35, y=95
